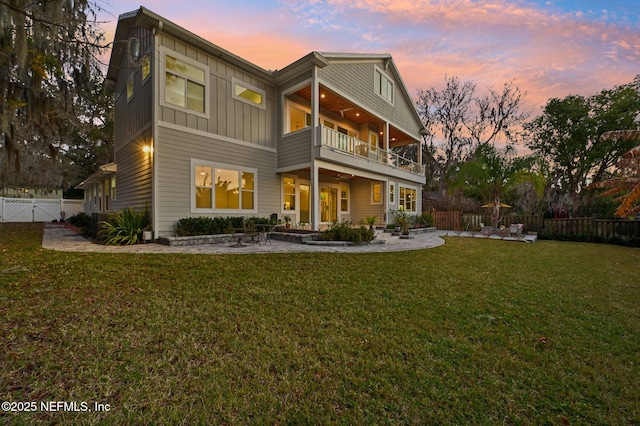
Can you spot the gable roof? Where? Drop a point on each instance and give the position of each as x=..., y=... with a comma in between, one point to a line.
x=153, y=22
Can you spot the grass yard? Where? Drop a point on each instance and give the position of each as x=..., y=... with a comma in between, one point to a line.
x=473, y=332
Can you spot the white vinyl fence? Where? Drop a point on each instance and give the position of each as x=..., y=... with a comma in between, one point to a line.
x=37, y=210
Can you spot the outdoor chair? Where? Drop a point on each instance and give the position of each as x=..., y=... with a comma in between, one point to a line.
x=486, y=230
x=516, y=230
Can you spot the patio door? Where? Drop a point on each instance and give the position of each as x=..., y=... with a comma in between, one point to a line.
x=328, y=204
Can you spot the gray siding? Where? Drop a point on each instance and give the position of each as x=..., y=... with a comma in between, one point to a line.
x=226, y=116
x=356, y=79
x=174, y=151
x=135, y=113
x=294, y=149
x=133, y=180
x=361, y=206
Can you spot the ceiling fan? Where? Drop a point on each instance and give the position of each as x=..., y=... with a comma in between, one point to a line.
x=342, y=111
x=342, y=177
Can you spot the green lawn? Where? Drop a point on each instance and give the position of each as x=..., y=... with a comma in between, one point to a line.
x=473, y=332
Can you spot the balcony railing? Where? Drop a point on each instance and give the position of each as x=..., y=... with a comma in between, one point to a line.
x=359, y=149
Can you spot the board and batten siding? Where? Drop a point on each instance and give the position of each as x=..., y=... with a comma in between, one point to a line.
x=227, y=116
x=174, y=150
x=356, y=80
x=135, y=113
x=133, y=179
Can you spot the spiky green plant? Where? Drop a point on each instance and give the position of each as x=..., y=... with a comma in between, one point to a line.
x=125, y=227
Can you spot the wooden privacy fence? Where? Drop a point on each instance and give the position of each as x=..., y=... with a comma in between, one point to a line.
x=591, y=228
x=447, y=220
x=584, y=228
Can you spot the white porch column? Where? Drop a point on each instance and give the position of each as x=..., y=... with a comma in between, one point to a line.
x=315, y=135
x=420, y=146
x=386, y=136
x=315, y=197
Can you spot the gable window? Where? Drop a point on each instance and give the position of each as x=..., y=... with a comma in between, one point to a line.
x=218, y=187
x=408, y=198
x=383, y=86
x=184, y=84
x=249, y=94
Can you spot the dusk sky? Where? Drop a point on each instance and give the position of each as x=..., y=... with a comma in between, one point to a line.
x=549, y=48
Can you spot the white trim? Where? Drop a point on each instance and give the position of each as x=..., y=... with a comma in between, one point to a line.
x=348, y=186
x=198, y=162
x=202, y=133
x=207, y=87
x=413, y=188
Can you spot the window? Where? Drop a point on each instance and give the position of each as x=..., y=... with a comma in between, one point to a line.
x=184, y=84
x=146, y=68
x=203, y=187
x=222, y=187
x=113, y=187
x=130, y=88
x=249, y=94
x=289, y=193
x=383, y=86
x=344, y=198
x=392, y=193
x=408, y=198
x=298, y=119
x=376, y=192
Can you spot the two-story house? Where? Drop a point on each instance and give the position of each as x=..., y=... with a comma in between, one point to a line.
x=200, y=131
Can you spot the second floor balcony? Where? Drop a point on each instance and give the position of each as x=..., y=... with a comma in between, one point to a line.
x=347, y=133
x=361, y=150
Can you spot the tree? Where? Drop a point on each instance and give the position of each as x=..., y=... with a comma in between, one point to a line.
x=492, y=173
x=627, y=180
x=49, y=72
x=567, y=135
x=459, y=121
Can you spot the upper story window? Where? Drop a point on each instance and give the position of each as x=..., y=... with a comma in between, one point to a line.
x=249, y=94
x=145, y=66
x=383, y=85
x=185, y=84
x=130, y=88
x=298, y=118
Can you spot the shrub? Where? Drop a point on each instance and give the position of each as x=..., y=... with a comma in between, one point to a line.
x=125, y=227
x=343, y=231
x=82, y=221
x=190, y=226
x=425, y=219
